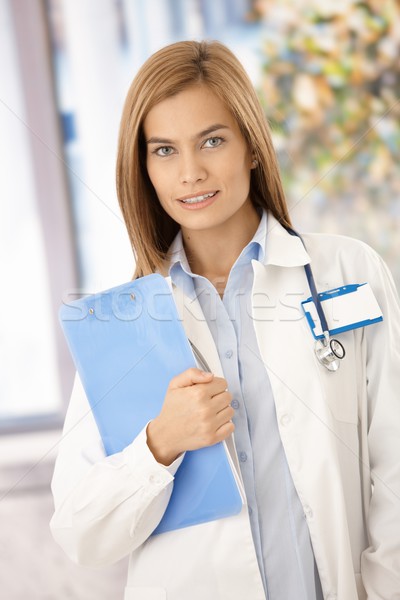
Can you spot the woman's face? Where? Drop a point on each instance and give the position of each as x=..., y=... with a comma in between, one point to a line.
x=198, y=160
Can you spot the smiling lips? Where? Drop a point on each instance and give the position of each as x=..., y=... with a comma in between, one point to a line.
x=189, y=200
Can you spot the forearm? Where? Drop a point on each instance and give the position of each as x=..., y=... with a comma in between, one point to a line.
x=115, y=507
x=104, y=506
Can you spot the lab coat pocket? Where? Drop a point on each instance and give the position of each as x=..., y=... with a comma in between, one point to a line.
x=341, y=386
x=145, y=593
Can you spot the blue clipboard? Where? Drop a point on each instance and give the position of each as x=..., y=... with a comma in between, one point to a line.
x=127, y=344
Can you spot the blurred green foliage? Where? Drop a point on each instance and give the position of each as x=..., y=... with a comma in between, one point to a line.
x=330, y=89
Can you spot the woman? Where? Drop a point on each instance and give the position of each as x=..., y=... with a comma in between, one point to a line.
x=317, y=451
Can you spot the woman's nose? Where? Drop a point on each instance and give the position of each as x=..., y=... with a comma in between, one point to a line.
x=192, y=169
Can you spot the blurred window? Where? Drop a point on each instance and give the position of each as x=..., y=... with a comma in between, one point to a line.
x=31, y=188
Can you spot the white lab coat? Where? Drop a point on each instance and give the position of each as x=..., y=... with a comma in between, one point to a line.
x=340, y=432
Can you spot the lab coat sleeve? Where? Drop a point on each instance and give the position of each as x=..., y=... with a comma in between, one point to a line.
x=105, y=507
x=380, y=564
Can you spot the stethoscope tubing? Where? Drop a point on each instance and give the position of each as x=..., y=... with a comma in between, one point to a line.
x=328, y=351
x=312, y=286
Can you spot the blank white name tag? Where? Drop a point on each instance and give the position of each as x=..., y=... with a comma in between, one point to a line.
x=347, y=307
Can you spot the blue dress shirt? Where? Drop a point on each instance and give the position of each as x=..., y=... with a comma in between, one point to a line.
x=278, y=523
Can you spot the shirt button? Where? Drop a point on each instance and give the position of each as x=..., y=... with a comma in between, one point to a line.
x=285, y=419
x=229, y=354
x=242, y=456
x=308, y=512
x=331, y=596
x=154, y=479
x=235, y=404
x=250, y=511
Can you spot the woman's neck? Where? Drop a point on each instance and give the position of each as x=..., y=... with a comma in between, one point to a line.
x=212, y=252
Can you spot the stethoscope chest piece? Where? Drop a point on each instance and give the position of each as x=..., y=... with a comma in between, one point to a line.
x=329, y=352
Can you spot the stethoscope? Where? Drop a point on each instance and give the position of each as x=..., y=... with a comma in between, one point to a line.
x=328, y=351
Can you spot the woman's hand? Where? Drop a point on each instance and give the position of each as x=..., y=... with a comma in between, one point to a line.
x=196, y=413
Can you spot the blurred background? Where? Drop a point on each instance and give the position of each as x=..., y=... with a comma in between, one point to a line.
x=328, y=76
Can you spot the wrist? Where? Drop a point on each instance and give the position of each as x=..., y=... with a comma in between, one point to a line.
x=159, y=446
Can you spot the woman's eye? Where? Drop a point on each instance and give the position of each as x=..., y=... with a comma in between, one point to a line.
x=213, y=142
x=164, y=151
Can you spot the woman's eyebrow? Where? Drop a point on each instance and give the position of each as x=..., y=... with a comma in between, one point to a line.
x=211, y=129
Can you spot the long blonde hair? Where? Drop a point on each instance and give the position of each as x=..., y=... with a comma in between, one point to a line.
x=166, y=73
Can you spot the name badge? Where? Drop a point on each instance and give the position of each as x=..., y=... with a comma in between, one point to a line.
x=347, y=307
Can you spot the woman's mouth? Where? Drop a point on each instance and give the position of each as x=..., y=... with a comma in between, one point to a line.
x=199, y=201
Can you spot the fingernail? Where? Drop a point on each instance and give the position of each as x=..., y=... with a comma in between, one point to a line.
x=205, y=373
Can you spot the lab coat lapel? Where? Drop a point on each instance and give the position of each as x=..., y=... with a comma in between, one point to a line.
x=196, y=328
x=285, y=341
x=305, y=422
